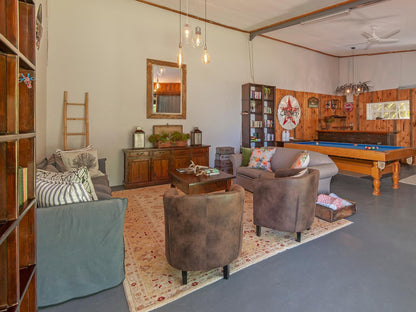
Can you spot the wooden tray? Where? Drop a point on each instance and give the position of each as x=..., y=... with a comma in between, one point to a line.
x=330, y=215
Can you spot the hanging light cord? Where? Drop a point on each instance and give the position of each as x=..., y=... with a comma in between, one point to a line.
x=187, y=11
x=251, y=59
x=180, y=22
x=353, y=67
x=205, y=23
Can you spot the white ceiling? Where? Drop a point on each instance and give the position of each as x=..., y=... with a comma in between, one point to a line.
x=334, y=36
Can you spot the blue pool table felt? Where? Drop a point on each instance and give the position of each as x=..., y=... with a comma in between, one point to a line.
x=378, y=148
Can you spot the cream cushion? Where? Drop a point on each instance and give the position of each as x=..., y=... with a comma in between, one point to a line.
x=85, y=157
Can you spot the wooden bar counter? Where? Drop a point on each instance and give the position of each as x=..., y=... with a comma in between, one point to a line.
x=362, y=137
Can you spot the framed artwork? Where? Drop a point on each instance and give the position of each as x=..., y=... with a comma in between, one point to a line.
x=313, y=102
x=288, y=112
x=335, y=104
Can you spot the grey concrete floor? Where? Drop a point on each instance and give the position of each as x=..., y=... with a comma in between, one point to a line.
x=367, y=266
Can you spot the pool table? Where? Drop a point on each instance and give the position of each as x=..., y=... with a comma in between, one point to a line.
x=374, y=160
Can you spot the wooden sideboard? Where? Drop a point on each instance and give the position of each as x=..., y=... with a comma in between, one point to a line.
x=151, y=166
x=363, y=137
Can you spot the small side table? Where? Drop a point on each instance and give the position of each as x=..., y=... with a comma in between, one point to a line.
x=191, y=184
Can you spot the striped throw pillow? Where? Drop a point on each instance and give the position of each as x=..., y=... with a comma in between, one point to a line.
x=78, y=175
x=49, y=193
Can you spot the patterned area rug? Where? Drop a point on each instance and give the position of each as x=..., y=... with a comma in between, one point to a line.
x=409, y=180
x=151, y=282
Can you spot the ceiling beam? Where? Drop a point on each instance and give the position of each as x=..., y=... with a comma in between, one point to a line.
x=315, y=15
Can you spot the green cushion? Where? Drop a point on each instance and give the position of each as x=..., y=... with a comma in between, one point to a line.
x=246, y=152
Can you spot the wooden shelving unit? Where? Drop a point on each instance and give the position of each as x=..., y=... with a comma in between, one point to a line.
x=339, y=122
x=258, y=115
x=17, y=157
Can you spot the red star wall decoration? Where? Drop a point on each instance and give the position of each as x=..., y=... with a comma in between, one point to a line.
x=288, y=112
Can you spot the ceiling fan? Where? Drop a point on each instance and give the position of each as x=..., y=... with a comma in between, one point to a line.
x=373, y=38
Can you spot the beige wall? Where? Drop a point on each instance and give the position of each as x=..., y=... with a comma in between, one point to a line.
x=385, y=71
x=101, y=47
x=41, y=85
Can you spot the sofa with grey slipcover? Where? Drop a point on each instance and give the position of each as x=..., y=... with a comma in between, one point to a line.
x=283, y=158
x=80, y=246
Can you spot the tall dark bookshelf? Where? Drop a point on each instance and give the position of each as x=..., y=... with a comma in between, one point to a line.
x=17, y=155
x=258, y=120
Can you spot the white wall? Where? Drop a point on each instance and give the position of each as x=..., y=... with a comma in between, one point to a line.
x=384, y=71
x=292, y=68
x=41, y=85
x=101, y=47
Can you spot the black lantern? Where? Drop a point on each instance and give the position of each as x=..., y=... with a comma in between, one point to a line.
x=196, y=137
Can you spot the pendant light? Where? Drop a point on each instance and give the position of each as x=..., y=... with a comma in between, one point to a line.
x=205, y=55
x=157, y=85
x=161, y=71
x=187, y=31
x=350, y=88
x=197, y=38
x=179, y=55
x=357, y=87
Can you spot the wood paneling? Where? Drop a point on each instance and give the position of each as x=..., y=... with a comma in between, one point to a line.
x=312, y=119
x=168, y=88
x=404, y=127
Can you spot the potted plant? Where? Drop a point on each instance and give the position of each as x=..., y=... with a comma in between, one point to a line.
x=160, y=140
x=328, y=120
x=179, y=139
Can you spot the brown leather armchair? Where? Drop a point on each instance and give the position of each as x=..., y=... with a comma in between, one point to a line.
x=285, y=203
x=203, y=231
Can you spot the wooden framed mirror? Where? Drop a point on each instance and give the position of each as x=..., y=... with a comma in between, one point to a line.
x=166, y=90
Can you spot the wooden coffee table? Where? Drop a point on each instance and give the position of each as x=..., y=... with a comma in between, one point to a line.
x=191, y=184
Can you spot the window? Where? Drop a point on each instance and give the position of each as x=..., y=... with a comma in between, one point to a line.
x=388, y=110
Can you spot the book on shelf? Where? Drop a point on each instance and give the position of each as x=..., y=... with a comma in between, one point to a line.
x=22, y=185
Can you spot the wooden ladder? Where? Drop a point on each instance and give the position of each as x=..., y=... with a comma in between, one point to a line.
x=86, y=133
